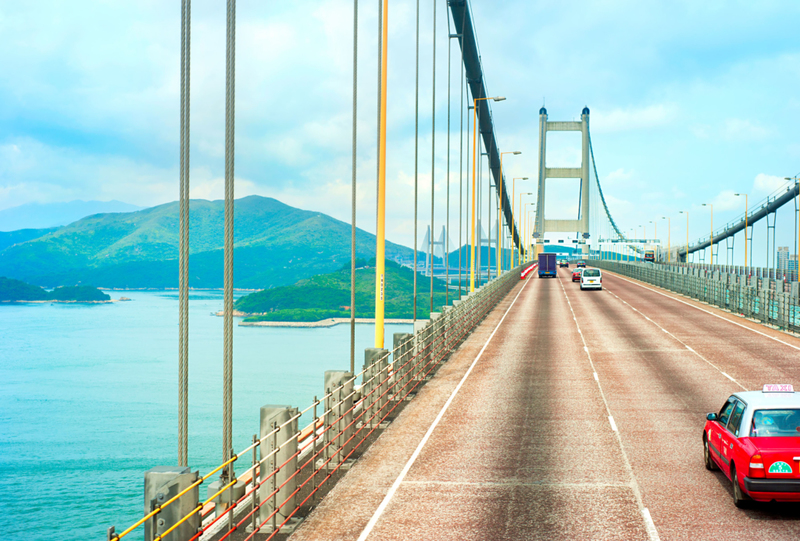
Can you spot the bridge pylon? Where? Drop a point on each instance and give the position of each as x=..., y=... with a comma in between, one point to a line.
x=581, y=224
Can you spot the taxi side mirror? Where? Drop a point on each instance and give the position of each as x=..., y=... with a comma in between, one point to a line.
x=711, y=416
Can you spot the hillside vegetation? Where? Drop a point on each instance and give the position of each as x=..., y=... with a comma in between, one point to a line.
x=16, y=290
x=275, y=245
x=328, y=295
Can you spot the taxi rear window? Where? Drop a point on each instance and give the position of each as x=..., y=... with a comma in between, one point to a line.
x=778, y=422
x=591, y=272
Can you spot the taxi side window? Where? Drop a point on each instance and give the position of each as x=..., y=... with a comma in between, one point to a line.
x=736, y=418
x=725, y=412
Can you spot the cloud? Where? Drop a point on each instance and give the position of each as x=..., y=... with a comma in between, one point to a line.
x=736, y=129
x=726, y=200
x=632, y=118
x=766, y=184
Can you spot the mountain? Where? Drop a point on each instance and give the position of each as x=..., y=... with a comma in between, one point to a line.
x=328, y=295
x=275, y=245
x=15, y=237
x=42, y=216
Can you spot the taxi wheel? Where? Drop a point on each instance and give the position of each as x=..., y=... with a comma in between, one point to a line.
x=739, y=498
x=710, y=464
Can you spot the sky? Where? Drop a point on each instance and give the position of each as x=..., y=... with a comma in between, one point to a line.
x=690, y=103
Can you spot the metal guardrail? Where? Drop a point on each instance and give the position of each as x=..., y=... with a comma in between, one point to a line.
x=767, y=300
x=295, y=464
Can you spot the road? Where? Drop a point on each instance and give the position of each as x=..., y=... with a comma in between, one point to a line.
x=569, y=414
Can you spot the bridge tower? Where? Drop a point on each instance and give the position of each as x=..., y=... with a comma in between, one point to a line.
x=581, y=225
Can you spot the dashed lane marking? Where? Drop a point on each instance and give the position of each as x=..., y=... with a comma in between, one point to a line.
x=706, y=311
x=717, y=368
x=652, y=533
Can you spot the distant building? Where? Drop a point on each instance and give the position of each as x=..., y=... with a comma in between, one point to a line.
x=786, y=262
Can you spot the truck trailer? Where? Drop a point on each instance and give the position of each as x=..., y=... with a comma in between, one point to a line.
x=547, y=265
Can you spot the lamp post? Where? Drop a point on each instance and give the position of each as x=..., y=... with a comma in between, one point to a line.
x=711, y=234
x=669, y=237
x=514, y=214
x=686, y=256
x=745, y=229
x=519, y=233
x=474, y=160
x=500, y=213
x=527, y=228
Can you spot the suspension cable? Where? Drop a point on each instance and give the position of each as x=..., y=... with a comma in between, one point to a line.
x=416, y=164
x=433, y=150
x=353, y=195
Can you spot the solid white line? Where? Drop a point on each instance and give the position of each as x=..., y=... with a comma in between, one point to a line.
x=707, y=312
x=727, y=376
x=595, y=376
x=651, y=527
x=389, y=495
x=612, y=423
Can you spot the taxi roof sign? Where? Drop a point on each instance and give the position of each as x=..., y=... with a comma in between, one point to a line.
x=777, y=388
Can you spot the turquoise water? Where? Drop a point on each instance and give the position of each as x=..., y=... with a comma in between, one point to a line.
x=88, y=401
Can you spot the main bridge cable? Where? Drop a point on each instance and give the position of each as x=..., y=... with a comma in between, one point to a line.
x=463, y=20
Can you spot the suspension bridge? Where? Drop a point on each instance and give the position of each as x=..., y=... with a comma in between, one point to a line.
x=522, y=408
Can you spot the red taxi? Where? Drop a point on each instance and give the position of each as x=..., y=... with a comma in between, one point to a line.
x=755, y=441
x=576, y=275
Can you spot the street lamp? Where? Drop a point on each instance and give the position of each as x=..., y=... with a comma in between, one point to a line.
x=745, y=229
x=519, y=233
x=474, y=160
x=669, y=237
x=514, y=214
x=686, y=255
x=500, y=213
x=711, y=235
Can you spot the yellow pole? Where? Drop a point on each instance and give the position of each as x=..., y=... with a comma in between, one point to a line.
x=500, y=219
x=380, y=251
x=745, y=234
x=474, y=151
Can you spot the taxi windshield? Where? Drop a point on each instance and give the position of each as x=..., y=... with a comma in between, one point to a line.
x=769, y=423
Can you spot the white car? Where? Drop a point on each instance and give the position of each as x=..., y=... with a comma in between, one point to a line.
x=591, y=278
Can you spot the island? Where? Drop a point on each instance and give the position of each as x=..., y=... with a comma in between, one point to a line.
x=18, y=291
x=327, y=296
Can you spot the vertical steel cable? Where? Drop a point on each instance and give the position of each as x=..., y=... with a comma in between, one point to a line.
x=447, y=215
x=230, y=93
x=378, y=140
x=416, y=164
x=183, y=248
x=353, y=197
x=433, y=143
x=461, y=171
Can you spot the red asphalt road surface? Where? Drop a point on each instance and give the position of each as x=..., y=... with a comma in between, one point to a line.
x=527, y=448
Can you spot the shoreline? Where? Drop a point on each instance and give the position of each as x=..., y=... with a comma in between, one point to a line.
x=330, y=322
x=61, y=302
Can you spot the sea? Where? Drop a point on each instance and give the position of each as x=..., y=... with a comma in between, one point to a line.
x=89, y=401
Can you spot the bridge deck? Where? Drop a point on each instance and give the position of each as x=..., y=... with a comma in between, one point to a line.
x=526, y=449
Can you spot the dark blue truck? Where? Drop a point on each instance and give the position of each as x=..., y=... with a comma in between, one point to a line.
x=547, y=265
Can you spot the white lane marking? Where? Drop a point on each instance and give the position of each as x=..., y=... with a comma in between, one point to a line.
x=652, y=533
x=717, y=368
x=389, y=495
x=595, y=376
x=612, y=423
x=651, y=527
x=708, y=312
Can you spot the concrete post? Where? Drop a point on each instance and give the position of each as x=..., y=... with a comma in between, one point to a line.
x=376, y=367
x=402, y=361
x=421, y=350
x=436, y=338
x=283, y=463
x=162, y=483
x=339, y=402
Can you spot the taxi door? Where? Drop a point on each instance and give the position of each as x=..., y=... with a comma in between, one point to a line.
x=715, y=436
x=730, y=437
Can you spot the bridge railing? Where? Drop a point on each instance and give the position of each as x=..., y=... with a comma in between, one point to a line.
x=289, y=467
x=770, y=301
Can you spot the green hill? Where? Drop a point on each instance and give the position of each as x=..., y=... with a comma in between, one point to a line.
x=328, y=295
x=16, y=290
x=275, y=244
